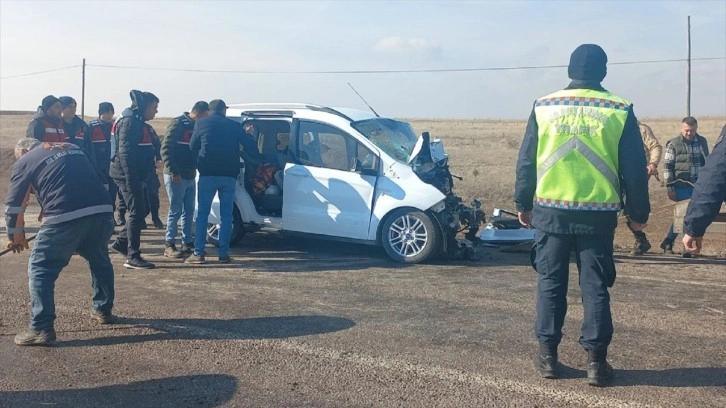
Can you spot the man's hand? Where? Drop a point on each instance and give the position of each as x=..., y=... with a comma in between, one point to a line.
x=692, y=244
x=176, y=179
x=18, y=244
x=672, y=195
x=525, y=218
x=159, y=164
x=652, y=169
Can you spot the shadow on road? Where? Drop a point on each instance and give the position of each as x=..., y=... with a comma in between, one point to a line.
x=185, y=391
x=214, y=329
x=675, y=377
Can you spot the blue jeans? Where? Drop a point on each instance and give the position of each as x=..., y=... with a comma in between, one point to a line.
x=181, y=205
x=53, y=248
x=682, y=193
x=207, y=187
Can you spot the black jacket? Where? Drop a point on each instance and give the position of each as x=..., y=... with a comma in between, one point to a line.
x=709, y=192
x=66, y=183
x=633, y=183
x=100, y=134
x=215, y=143
x=179, y=160
x=77, y=132
x=135, y=152
x=45, y=128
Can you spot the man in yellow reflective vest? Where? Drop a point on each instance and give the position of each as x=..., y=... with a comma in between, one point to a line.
x=581, y=160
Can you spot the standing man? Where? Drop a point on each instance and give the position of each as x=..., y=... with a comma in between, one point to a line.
x=47, y=125
x=152, y=185
x=130, y=167
x=653, y=154
x=581, y=151
x=76, y=129
x=708, y=194
x=215, y=143
x=77, y=217
x=100, y=135
x=685, y=155
x=180, y=171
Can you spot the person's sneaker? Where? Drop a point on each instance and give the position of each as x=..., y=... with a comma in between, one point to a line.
x=187, y=249
x=120, y=247
x=547, y=366
x=225, y=259
x=687, y=255
x=195, y=259
x=641, y=245
x=599, y=374
x=35, y=337
x=667, y=246
x=103, y=317
x=171, y=252
x=157, y=223
x=138, y=263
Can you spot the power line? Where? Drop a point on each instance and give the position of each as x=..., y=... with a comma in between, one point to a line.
x=40, y=72
x=389, y=71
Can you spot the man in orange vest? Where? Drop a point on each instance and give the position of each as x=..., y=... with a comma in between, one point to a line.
x=47, y=125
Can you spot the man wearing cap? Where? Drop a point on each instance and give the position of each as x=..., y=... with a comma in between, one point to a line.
x=180, y=172
x=215, y=142
x=129, y=168
x=581, y=152
x=47, y=125
x=99, y=131
x=76, y=129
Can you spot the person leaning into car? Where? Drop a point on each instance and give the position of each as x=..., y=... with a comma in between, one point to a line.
x=215, y=142
x=581, y=149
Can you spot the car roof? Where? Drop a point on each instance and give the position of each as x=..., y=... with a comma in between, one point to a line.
x=288, y=109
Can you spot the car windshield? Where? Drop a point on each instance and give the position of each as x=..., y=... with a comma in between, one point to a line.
x=395, y=138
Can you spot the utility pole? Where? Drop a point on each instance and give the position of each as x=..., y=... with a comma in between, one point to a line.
x=688, y=72
x=83, y=90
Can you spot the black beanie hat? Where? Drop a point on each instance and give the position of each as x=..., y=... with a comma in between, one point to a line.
x=104, y=107
x=47, y=102
x=588, y=63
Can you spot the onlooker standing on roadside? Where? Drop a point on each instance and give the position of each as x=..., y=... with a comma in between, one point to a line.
x=180, y=171
x=100, y=135
x=215, y=142
x=685, y=155
x=653, y=154
x=130, y=167
x=47, y=125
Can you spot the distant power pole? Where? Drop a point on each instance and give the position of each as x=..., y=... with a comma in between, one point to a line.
x=83, y=90
x=688, y=72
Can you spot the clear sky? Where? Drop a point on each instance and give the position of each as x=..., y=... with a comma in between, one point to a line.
x=359, y=35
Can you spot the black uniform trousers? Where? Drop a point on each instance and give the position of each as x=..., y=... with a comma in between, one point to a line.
x=594, y=256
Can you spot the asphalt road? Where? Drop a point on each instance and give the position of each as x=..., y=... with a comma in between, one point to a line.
x=293, y=323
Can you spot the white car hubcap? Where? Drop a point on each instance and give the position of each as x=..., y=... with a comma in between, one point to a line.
x=213, y=231
x=408, y=236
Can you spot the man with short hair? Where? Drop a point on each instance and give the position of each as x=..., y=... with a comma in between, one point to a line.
x=581, y=151
x=180, y=171
x=653, y=153
x=100, y=137
x=76, y=129
x=685, y=155
x=77, y=218
x=215, y=143
x=129, y=168
x=47, y=125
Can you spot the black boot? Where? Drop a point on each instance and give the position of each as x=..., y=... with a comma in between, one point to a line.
x=667, y=246
x=546, y=362
x=599, y=371
x=641, y=245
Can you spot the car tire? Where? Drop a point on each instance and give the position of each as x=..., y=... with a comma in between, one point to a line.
x=238, y=230
x=409, y=236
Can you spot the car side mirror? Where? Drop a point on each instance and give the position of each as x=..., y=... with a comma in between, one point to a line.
x=357, y=167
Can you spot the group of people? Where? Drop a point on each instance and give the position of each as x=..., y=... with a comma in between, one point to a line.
x=581, y=162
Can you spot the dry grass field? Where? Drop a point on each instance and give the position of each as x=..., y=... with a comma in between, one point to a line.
x=483, y=152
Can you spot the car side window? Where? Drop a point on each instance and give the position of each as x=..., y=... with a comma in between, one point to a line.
x=322, y=145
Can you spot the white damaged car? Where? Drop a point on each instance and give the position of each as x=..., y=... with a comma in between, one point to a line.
x=348, y=175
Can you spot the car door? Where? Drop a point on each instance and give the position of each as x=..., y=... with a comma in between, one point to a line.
x=329, y=187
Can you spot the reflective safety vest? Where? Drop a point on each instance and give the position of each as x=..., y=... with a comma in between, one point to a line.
x=577, y=150
x=54, y=133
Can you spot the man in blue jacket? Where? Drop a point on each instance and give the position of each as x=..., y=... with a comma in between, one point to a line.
x=215, y=142
x=77, y=217
x=708, y=194
x=581, y=151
